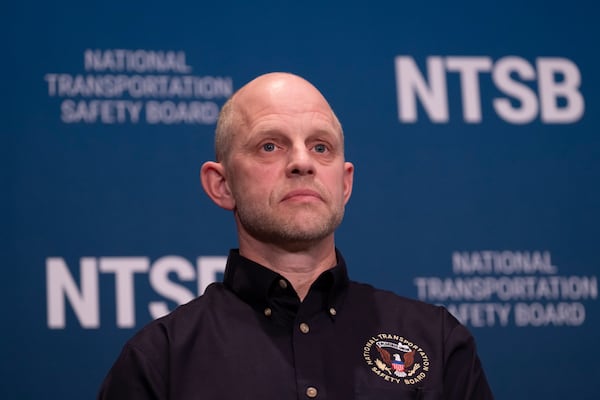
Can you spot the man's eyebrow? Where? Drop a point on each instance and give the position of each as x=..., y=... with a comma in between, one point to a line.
x=322, y=130
x=330, y=135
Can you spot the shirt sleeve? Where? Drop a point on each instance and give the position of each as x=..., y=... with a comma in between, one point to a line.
x=464, y=378
x=133, y=377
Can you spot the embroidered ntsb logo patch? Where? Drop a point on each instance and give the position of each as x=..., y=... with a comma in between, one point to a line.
x=396, y=359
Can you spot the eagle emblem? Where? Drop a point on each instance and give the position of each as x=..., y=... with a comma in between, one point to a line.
x=396, y=359
x=400, y=363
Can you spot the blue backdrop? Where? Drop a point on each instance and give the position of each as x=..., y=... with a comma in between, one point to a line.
x=473, y=128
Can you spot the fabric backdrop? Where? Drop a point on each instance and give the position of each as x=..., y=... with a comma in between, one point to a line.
x=473, y=127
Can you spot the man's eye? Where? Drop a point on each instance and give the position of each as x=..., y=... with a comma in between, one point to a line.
x=268, y=147
x=320, y=148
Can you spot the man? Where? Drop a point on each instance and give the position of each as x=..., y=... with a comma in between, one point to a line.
x=286, y=323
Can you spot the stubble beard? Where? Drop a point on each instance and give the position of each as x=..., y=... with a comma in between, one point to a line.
x=299, y=227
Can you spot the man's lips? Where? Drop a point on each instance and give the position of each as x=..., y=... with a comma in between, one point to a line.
x=300, y=194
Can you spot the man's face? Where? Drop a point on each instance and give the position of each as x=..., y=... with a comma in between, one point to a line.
x=286, y=168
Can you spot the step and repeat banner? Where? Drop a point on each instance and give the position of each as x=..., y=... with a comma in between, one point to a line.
x=474, y=129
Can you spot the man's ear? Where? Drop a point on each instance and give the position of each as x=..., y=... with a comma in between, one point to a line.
x=214, y=182
x=348, y=180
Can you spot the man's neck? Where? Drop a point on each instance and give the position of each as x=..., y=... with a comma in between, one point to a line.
x=300, y=267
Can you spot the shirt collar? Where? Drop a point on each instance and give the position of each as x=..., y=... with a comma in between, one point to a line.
x=261, y=287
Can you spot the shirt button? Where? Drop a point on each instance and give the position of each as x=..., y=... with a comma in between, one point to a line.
x=311, y=392
x=332, y=311
x=304, y=328
x=282, y=284
x=268, y=312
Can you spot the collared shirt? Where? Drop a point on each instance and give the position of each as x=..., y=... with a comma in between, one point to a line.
x=251, y=337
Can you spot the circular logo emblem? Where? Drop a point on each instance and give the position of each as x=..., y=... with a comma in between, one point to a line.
x=396, y=359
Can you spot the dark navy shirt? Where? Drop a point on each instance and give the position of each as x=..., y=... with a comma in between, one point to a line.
x=251, y=337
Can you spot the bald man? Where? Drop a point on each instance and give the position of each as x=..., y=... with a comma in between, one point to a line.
x=286, y=322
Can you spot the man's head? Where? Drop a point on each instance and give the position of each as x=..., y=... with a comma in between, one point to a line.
x=232, y=118
x=280, y=162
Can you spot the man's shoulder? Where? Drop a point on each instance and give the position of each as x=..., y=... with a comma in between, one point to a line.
x=366, y=289
x=391, y=304
x=183, y=320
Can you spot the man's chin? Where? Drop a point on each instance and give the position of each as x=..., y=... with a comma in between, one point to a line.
x=300, y=241
x=307, y=231
x=305, y=227
x=293, y=236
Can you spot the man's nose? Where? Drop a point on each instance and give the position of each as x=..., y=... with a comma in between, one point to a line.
x=300, y=162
